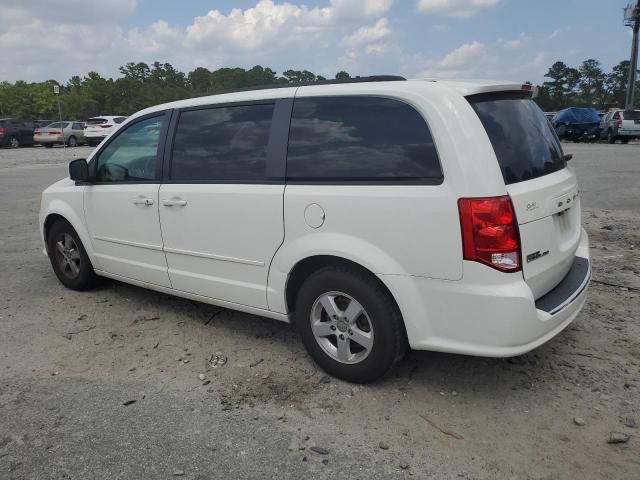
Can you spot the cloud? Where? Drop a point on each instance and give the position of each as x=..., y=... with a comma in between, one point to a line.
x=368, y=34
x=36, y=36
x=469, y=60
x=455, y=8
x=461, y=55
x=521, y=41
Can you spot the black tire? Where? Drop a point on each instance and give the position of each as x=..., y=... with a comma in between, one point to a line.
x=85, y=278
x=389, y=338
x=611, y=138
x=72, y=141
x=13, y=142
x=48, y=145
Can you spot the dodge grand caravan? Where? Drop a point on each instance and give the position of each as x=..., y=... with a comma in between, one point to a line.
x=375, y=214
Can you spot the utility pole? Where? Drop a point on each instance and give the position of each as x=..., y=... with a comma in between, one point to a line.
x=632, y=19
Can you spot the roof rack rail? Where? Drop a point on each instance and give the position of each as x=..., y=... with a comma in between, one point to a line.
x=371, y=78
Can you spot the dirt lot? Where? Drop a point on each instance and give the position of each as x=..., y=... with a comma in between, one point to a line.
x=70, y=361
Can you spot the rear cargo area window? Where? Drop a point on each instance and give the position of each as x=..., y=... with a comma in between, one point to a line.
x=361, y=138
x=522, y=138
x=631, y=114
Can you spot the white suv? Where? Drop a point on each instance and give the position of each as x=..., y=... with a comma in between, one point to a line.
x=376, y=214
x=97, y=129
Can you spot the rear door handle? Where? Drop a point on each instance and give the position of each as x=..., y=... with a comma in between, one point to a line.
x=142, y=201
x=174, y=202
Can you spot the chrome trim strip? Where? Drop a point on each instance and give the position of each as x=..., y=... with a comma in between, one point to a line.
x=210, y=256
x=129, y=243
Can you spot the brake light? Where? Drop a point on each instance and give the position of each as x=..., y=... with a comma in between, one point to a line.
x=490, y=232
x=619, y=122
x=36, y=132
x=3, y=130
x=55, y=132
x=105, y=126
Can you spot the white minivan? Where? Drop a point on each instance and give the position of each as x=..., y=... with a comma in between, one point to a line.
x=376, y=214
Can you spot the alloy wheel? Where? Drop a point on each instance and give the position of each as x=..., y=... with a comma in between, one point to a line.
x=68, y=256
x=342, y=327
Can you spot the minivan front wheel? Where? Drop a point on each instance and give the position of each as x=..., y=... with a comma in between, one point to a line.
x=68, y=257
x=349, y=324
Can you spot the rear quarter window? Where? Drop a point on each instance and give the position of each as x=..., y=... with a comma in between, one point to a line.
x=523, y=140
x=360, y=139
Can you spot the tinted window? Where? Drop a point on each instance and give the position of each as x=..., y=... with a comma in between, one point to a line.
x=96, y=121
x=525, y=144
x=359, y=138
x=631, y=115
x=222, y=144
x=131, y=156
x=77, y=126
x=119, y=119
x=58, y=125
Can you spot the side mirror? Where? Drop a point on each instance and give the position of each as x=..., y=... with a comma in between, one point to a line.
x=79, y=170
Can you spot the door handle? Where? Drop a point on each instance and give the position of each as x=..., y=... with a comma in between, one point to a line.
x=174, y=202
x=142, y=201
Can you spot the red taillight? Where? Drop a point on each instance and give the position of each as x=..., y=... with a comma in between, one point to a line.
x=36, y=132
x=619, y=122
x=55, y=132
x=490, y=232
x=105, y=126
x=3, y=130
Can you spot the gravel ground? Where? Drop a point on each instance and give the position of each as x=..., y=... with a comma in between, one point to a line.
x=71, y=362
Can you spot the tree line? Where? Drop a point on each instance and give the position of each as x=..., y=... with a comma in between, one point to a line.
x=141, y=85
x=587, y=85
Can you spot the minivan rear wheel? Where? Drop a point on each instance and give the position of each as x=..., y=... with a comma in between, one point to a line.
x=14, y=142
x=68, y=257
x=611, y=138
x=349, y=324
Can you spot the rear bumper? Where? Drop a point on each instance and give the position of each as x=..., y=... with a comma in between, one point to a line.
x=488, y=313
x=48, y=139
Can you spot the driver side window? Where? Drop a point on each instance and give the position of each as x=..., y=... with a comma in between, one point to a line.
x=131, y=157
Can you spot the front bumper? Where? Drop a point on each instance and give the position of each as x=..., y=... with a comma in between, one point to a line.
x=487, y=313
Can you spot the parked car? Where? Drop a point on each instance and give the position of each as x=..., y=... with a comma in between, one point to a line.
x=399, y=230
x=15, y=133
x=577, y=124
x=623, y=125
x=60, y=133
x=99, y=128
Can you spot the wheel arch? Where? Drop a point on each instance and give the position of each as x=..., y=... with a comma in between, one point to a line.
x=60, y=210
x=307, y=266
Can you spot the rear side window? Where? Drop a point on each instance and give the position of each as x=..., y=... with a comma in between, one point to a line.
x=77, y=126
x=631, y=115
x=222, y=144
x=360, y=139
x=524, y=142
x=58, y=125
x=119, y=120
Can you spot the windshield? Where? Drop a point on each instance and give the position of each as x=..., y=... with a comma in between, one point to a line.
x=524, y=142
x=96, y=121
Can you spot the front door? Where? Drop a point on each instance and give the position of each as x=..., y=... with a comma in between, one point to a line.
x=221, y=213
x=121, y=204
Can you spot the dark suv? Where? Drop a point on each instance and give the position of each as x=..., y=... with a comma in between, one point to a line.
x=15, y=133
